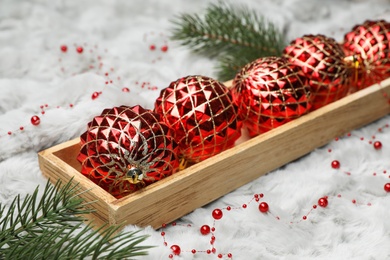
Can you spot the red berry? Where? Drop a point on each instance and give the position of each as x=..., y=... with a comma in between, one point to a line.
x=217, y=214
x=263, y=207
x=79, y=49
x=323, y=202
x=164, y=48
x=35, y=120
x=377, y=145
x=387, y=187
x=335, y=164
x=205, y=229
x=176, y=249
x=95, y=95
x=64, y=48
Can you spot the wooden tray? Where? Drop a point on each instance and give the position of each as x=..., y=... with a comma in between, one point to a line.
x=198, y=185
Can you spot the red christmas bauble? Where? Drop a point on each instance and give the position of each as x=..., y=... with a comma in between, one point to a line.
x=322, y=61
x=369, y=45
x=270, y=92
x=202, y=115
x=127, y=148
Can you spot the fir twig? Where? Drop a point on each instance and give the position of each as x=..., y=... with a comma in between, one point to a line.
x=234, y=34
x=52, y=227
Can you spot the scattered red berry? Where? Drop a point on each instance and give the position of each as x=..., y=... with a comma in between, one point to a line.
x=205, y=230
x=335, y=164
x=176, y=249
x=217, y=214
x=387, y=187
x=263, y=207
x=95, y=95
x=64, y=48
x=377, y=145
x=323, y=202
x=79, y=49
x=35, y=120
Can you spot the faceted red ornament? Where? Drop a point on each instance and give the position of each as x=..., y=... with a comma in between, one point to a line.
x=35, y=120
x=202, y=116
x=323, y=202
x=322, y=61
x=263, y=207
x=217, y=214
x=127, y=148
x=368, y=46
x=205, y=230
x=269, y=93
x=176, y=249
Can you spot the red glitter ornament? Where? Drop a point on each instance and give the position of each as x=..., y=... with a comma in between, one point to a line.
x=368, y=44
x=201, y=113
x=263, y=207
x=322, y=61
x=35, y=120
x=387, y=187
x=270, y=92
x=217, y=214
x=176, y=250
x=205, y=230
x=127, y=148
x=323, y=202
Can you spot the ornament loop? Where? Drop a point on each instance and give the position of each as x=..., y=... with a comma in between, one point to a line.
x=134, y=175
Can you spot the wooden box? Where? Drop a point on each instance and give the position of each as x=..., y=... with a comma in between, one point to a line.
x=196, y=186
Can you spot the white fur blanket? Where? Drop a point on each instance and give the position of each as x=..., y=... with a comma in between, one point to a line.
x=116, y=37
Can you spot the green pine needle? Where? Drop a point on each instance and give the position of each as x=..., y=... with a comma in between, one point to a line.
x=234, y=34
x=52, y=227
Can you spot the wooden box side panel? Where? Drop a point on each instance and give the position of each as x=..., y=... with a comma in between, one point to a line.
x=60, y=163
x=202, y=183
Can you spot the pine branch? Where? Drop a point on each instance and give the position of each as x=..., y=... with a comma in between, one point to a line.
x=53, y=228
x=233, y=33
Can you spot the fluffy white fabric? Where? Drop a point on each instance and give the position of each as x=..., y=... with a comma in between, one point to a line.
x=120, y=32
